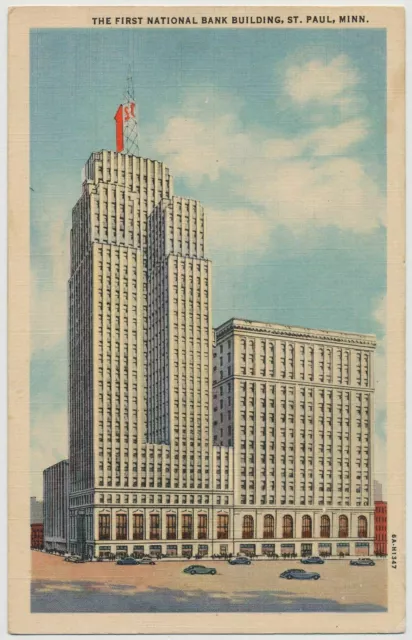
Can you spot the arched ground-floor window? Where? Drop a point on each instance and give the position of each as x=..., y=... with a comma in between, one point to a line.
x=343, y=527
x=325, y=527
x=268, y=526
x=362, y=527
x=222, y=526
x=248, y=527
x=306, y=527
x=287, y=527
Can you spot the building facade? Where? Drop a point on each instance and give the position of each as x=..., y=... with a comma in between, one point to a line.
x=56, y=506
x=296, y=406
x=36, y=536
x=381, y=533
x=377, y=491
x=158, y=464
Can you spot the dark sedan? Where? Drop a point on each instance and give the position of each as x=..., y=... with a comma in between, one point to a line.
x=299, y=574
x=313, y=560
x=127, y=561
x=199, y=568
x=362, y=562
x=240, y=560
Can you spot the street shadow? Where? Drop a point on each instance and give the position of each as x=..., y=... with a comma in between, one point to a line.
x=92, y=597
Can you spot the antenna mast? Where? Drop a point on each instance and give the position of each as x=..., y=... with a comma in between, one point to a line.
x=127, y=129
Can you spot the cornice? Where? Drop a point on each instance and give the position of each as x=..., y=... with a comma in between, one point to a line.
x=299, y=333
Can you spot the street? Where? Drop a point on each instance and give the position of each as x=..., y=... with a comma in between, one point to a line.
x=59, y=586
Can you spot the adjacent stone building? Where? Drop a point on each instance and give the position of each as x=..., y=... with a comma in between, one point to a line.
x=377, y=491
x=296, y=406
x=56, y=506
x=36, y=510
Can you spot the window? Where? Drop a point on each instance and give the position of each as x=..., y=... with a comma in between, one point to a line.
x=268, y=526
x=362, y=527
x=154, y=526
x=171, y=532
x=248, y=527
x=104, y=526
x=325, y=527
x=287, y=527
x=306, y=527
x=202, y=526
x=187, y=527
x=121, y=526
x=138, y=530
x=343, y=527
x=222, y=526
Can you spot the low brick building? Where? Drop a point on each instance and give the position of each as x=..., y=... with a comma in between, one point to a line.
x=381, y=538
x=36, y=541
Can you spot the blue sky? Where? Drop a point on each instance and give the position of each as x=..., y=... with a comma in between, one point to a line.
x=280, y=133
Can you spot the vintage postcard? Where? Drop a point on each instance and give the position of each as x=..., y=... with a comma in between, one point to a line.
x=206, y=320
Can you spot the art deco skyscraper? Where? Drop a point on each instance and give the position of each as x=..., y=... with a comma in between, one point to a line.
x=108, y=316
x=140, y=336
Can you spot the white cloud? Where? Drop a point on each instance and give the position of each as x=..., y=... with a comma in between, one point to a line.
x=48, y=445
x=334, y=191
x=204, y=139
x=322, y=82
x=314, y=178
x=331, y=141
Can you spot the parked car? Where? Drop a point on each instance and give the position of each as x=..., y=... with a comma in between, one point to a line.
x=146, y=561
x=240, y=560
x=313, y=560
x=362, y=562
x=198, y=568
x=127, y=560
x=299, y=574
x=74, y=559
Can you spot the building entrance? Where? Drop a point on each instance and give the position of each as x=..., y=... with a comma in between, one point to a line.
x=342, y=548
x=187, y=550
x=248, y=549
x=287, y=549
x=171, y=550
x=361, y=548
x=81, y=535
x=268, y=549
x=155, y=549
x=325, y=549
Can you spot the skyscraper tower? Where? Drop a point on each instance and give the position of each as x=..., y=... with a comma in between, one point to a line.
x=108, y=318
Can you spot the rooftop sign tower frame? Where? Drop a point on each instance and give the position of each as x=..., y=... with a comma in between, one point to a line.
x=127, y=127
